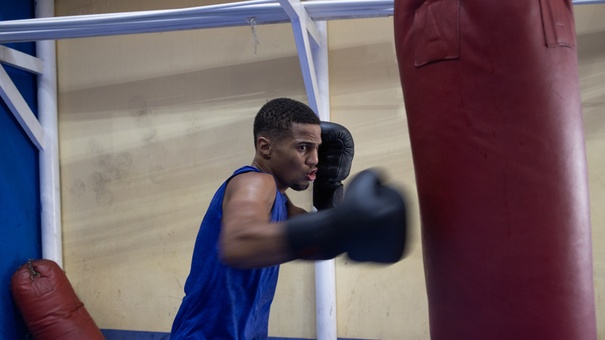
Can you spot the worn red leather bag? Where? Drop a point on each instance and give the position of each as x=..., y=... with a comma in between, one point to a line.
x=48, y=304
x=493, y=104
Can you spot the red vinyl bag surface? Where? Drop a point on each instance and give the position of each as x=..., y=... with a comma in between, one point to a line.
x=48, y=304
x=492, y=98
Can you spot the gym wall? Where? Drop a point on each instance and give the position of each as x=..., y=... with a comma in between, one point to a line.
x=151, y=125
x=19, y=184
x=591, y=58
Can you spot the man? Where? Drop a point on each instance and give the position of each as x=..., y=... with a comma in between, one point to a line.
x=247, y=233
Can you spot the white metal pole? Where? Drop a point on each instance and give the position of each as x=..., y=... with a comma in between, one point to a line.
x=325, y=300
x=325, y=275
x=50, y=185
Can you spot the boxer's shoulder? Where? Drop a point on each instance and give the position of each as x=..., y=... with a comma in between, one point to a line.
x=251, y=186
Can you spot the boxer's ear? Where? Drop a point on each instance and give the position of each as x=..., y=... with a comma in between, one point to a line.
x=263, y=145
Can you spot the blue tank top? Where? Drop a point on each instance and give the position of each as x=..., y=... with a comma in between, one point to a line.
x=222, y=302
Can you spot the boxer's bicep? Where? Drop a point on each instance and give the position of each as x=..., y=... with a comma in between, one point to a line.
x=248, y=238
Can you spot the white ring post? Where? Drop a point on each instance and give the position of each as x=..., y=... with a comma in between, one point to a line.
x=325, y=272
x=50, y=185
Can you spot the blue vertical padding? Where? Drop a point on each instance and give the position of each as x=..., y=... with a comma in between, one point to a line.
x=19, y=182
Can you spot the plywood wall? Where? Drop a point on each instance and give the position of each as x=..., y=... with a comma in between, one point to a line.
x=150, y=126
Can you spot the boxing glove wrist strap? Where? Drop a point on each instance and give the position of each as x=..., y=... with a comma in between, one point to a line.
x=314, y=236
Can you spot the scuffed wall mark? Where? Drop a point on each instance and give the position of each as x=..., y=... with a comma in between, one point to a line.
x=122, y=162
x=108, y=169
x=142, y=114
x=99, y=181
x=77, y=189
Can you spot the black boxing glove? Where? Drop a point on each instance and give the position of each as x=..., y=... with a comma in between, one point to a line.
x=369, y=225
x=335, y=156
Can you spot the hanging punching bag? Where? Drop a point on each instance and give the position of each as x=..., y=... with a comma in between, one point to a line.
x=492, y=98
x=48, y=304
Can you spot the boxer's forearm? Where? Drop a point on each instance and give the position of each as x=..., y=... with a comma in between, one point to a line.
x=255, y=246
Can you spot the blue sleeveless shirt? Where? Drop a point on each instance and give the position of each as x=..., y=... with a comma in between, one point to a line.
x=222, y=302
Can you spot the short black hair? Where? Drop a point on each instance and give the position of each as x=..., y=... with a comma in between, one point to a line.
x=275, y=118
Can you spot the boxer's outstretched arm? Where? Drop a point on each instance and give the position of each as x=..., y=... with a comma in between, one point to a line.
x=369, y=225
x=248, y=238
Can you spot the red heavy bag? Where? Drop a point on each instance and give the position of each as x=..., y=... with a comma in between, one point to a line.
x=492, y=97
x=49, y=306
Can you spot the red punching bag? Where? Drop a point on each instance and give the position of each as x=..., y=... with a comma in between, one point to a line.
x=49, y=306
x=492, y=97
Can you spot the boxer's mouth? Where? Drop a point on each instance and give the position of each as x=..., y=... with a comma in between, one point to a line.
x=312, y=175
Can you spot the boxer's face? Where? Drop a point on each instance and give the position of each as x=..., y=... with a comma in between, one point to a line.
x=294, y=158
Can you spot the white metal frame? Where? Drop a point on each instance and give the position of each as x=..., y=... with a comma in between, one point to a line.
x=12, y=97
x=42, y=131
